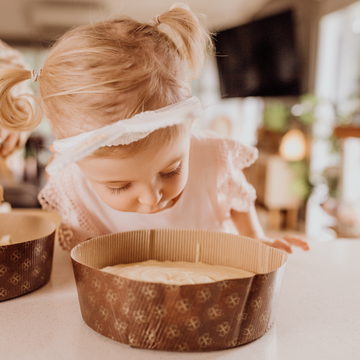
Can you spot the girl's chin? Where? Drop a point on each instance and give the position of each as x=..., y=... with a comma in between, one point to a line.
x=159, y=208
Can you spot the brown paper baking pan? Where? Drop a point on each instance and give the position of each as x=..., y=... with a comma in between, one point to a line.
x=199, y=317
x=25, y=265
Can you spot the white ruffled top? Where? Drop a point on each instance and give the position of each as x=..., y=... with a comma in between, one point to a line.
x=216, y=184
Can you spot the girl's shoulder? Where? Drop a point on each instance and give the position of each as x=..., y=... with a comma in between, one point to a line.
x=224, y=151
x=64, y=194
x=222, y=160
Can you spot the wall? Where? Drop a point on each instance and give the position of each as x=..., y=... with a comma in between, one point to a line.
x=328, y=6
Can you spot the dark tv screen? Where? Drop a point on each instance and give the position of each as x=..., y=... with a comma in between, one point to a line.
x=259, y=58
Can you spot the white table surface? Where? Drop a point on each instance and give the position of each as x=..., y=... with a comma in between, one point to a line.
x=318, y=316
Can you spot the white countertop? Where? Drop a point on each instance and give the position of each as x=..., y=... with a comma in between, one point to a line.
x=318, y=316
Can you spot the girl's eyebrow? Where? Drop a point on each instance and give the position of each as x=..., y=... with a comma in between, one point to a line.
x=178, y=158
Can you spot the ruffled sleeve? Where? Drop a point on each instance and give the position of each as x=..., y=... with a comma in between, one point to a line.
x=61, y=196
x=233, y=191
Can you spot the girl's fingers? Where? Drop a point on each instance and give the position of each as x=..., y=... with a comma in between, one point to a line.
x=296, y=241
x=10, y=139
x=52, y=149
x=281, y=244
x=3, y=136
x=10, y=143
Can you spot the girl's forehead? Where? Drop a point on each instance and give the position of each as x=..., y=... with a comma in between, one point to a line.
x=138, y=167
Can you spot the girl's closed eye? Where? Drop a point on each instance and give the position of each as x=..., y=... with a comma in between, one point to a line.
x=168, y=175
x=171, y=174
x=115, y=191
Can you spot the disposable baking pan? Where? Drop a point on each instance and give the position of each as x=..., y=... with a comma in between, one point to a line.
x=199, y=317
x=26, y=264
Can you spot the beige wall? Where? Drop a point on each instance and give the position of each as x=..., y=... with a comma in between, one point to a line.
x=328, y=6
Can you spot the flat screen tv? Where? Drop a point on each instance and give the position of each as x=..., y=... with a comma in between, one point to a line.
x=259, y=58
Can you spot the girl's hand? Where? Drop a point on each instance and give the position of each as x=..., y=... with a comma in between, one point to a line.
x=9, y=141
x=285, y=243
x=248, y=224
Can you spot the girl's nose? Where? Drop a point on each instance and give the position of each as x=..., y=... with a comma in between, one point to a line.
x=150, y=196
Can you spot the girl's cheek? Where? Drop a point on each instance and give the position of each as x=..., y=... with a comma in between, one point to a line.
x=178, y=186
x=120, y=202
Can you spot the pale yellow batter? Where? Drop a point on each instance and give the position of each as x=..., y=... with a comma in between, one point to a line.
x=177, y=272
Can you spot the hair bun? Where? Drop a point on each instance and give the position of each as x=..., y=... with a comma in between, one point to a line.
x=188, y=33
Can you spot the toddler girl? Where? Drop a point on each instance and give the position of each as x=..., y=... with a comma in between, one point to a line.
x=160, y=175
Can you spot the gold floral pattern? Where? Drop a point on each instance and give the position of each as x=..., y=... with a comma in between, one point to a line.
x=171, y=288
x=15, y=256
x=133, y=340
x=149, y=292
x=126, y=309
x=172, y=331
x=249, y=331
x=139, y=316
x=223, y=329
x=119, y=282
x=193, y=323
x=183, y=305
x=232, y=300
x=159, y=311
x=3, y=270
x=37, y=250
x=149, y=336
x=203, y=295
x=120, y=326
x=104, y=312
x=111, y=297
x=96, y=284
x=26, y=264
x=182, y=347
x=214, y=312
x=36, y=272
x=224, y=284
x=256, y=303
x=205, y=340
x=15, y=279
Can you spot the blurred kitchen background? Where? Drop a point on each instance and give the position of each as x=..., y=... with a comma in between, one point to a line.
x=285, y=78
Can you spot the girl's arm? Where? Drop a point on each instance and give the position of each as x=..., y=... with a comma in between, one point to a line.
x=248, y=224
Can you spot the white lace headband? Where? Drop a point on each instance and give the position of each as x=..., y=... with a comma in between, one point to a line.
x=123, y=132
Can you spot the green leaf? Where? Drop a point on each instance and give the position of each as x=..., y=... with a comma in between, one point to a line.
x=276, y=116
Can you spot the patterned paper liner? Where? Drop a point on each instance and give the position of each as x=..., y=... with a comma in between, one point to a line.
x=199, y=317
x=25, y=265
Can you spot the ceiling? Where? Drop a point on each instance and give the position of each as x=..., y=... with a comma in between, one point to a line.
x=41, y=19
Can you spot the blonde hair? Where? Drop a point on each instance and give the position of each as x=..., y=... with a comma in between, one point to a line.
x=18, y=93
x=111, y=70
